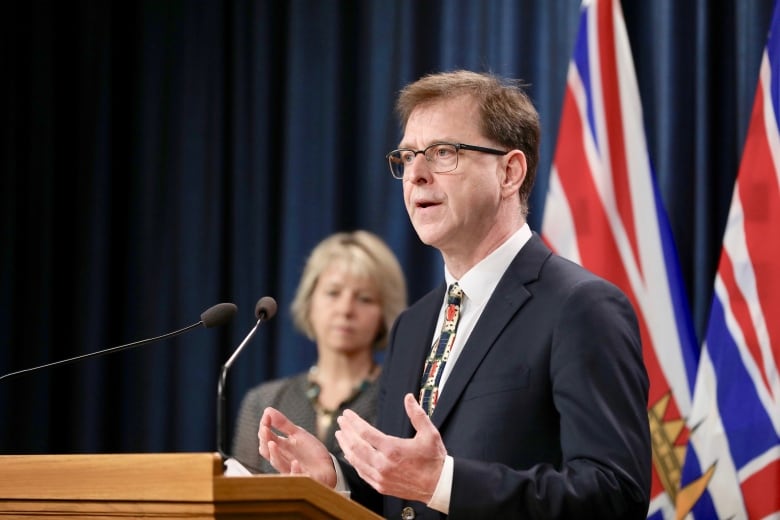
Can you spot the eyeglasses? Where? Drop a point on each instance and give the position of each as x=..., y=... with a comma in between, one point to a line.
x=441, y=157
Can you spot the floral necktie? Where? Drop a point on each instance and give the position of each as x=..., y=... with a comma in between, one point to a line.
x=440, y=351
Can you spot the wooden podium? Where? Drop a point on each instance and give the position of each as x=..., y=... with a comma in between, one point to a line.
x=169, y=485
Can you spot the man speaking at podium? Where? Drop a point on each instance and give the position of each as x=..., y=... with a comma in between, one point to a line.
x=517, y=388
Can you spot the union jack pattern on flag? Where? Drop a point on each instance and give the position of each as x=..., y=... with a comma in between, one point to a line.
x=732, y=467
x=603, y=211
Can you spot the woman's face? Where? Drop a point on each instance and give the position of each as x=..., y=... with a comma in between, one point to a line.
x=345, y=312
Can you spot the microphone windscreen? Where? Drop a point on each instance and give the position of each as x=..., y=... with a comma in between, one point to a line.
x=265, y=306
x=218, y=315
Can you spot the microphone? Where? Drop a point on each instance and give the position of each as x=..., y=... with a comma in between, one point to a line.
x=265, y=309
x=215, y=316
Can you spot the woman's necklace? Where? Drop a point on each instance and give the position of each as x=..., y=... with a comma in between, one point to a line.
x=326, y=416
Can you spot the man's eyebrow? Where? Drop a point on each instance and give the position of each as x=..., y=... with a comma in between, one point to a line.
x=405, y=146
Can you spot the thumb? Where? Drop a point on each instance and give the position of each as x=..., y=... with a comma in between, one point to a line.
x=419, y=419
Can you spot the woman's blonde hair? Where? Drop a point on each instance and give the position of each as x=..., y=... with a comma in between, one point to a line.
x=363, y=254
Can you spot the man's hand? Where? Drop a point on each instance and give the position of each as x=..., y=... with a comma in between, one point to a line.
x=404, y=468
x=292, y=450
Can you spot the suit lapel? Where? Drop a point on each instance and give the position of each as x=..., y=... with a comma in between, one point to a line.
x=507, y=299
x=410, y=348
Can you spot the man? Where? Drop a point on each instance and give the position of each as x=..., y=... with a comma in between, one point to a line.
x=538, y=407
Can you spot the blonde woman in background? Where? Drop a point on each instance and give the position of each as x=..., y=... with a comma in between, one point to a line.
x=351, y=291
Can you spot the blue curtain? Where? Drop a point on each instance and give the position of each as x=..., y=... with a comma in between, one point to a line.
x=160, y=157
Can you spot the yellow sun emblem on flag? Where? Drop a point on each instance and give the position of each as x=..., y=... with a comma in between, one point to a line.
x=668, y=457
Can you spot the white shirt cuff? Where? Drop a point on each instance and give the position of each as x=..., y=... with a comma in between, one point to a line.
x=440, y=501
x=341, y=482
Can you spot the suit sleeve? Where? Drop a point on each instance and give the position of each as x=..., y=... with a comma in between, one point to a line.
x=599, y=391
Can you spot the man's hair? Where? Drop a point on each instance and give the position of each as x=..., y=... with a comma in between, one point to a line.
x=508, y=116
x=362, y=254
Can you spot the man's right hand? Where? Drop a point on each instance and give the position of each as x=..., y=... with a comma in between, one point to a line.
x=291, y=450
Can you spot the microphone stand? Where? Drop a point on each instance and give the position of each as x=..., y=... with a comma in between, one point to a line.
x=265, y=309
x=221, y=390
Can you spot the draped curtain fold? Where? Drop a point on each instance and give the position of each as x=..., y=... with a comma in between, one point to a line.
x=160, y=157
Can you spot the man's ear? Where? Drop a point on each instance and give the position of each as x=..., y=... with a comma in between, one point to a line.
x=514, y=173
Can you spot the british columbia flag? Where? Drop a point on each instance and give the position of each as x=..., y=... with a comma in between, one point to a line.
x=603, y=210
x=732, y=466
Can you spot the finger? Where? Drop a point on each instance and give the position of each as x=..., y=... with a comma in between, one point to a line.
x=277, y=460
x=354, y=425
x=264, y=436
x=284, y=448
x=354, y=449
x=273, y=418
x=363, y=446
x=359, y=454
x=417, y=416
x=262, y=446
x=265, y=419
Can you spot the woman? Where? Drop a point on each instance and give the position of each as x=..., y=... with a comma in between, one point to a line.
x=351, y=291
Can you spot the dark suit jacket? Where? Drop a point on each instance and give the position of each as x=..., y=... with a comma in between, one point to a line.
x=545, y=411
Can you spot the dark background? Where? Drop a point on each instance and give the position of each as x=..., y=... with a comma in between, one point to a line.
x=158, y=157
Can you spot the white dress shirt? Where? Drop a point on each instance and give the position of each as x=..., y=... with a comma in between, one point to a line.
x=477, y=285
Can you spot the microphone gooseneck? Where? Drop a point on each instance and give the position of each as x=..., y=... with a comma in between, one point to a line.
x=219, y=314
x=265, y=309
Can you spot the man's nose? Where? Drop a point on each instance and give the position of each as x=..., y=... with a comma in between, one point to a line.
x=418, y=169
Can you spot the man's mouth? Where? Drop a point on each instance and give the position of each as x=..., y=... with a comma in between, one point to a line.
x=425, y=204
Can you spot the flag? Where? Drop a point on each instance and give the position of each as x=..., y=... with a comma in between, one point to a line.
x=603, y=210
x=732, y=466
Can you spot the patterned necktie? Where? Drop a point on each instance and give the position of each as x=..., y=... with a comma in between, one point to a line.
x=434, y=365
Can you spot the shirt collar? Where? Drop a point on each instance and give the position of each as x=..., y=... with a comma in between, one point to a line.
x=480, y=281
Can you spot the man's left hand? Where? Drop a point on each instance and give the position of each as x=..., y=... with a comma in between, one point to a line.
x=404, y=468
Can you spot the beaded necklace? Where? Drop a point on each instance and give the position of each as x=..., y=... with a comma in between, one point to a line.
x=326, y=416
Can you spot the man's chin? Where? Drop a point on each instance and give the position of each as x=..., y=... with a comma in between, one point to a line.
x=428, y=235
